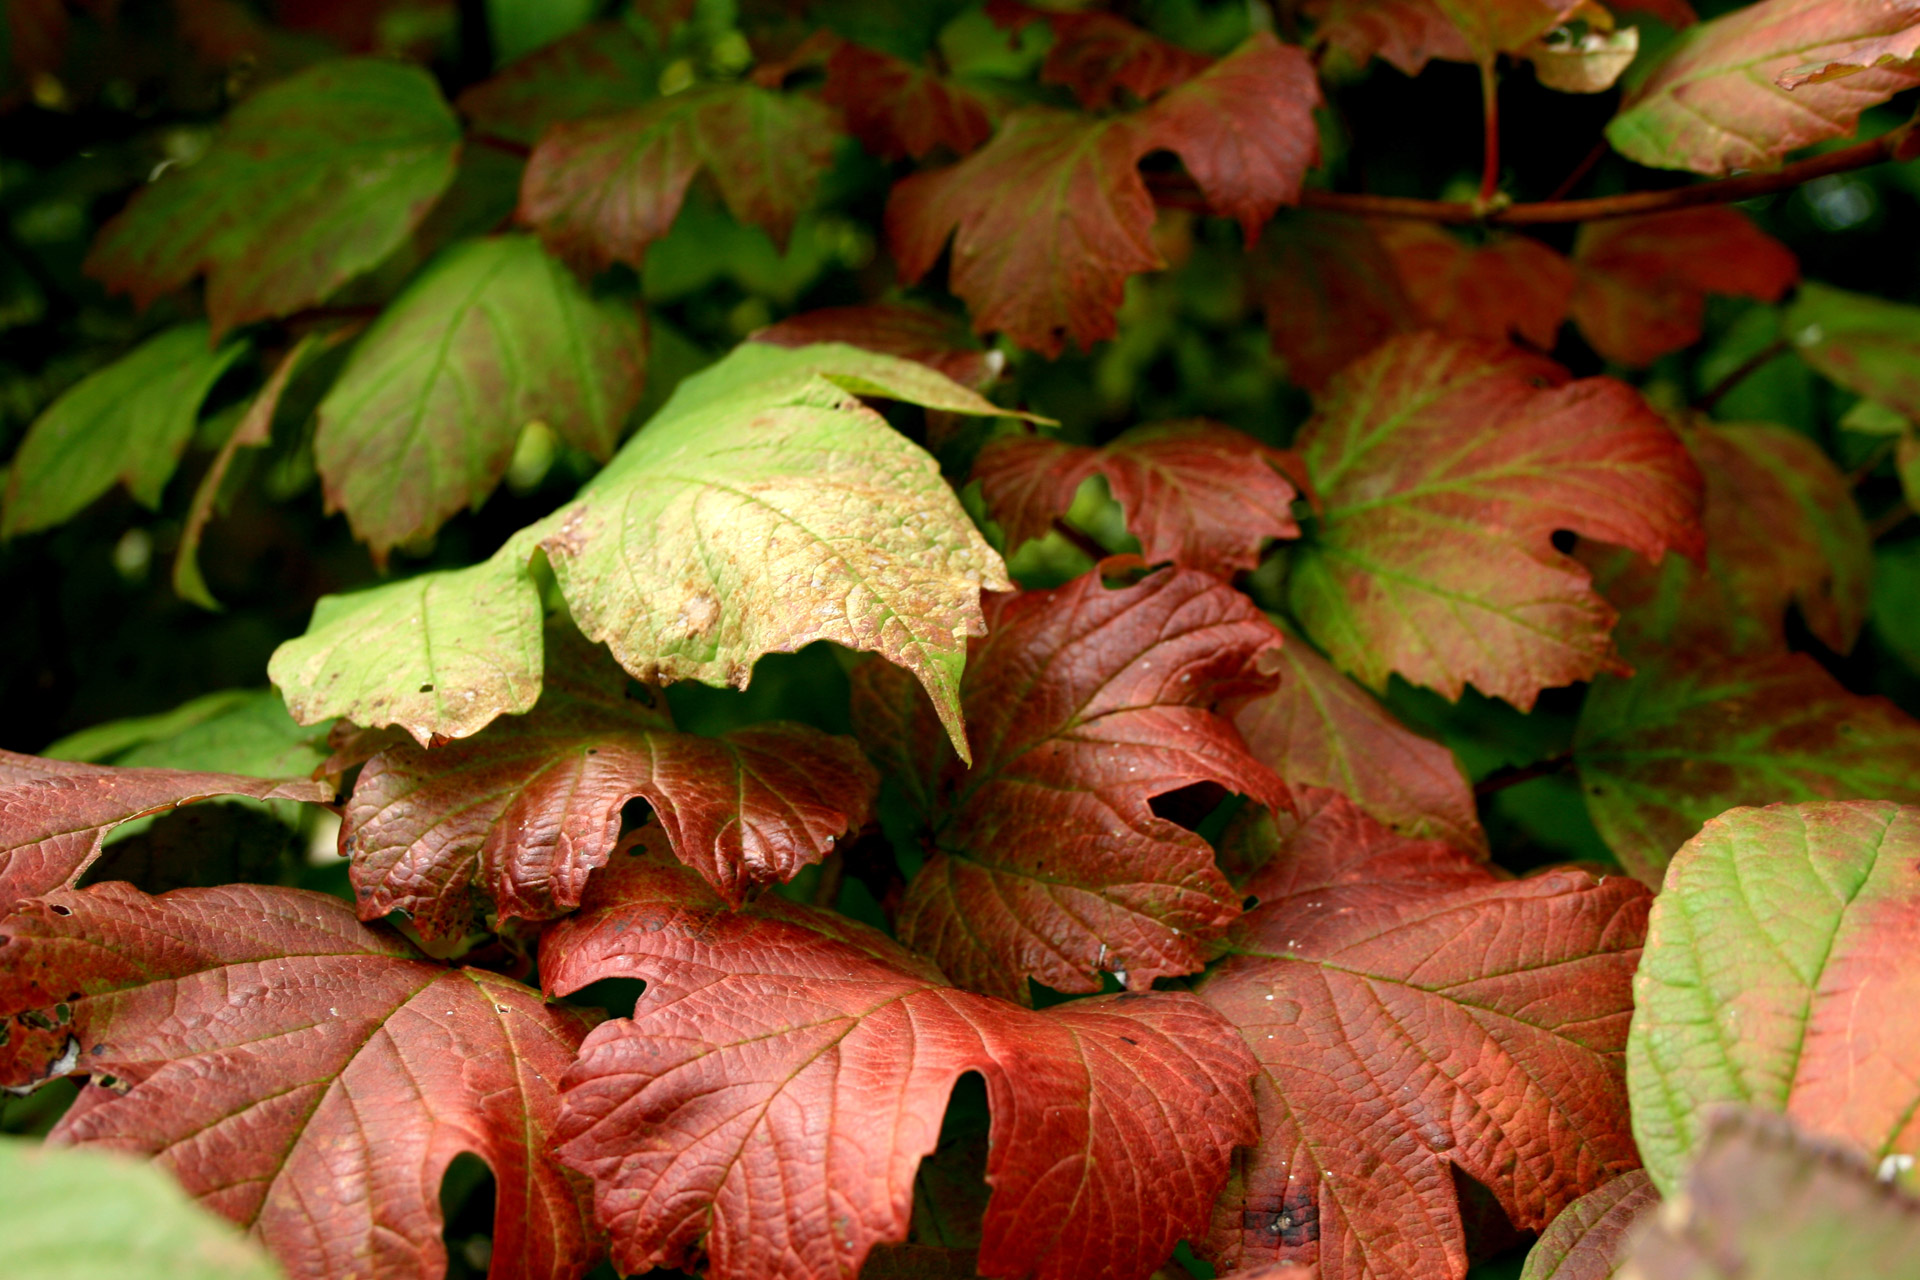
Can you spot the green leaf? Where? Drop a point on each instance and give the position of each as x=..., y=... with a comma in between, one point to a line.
x=1865, y=344
x=493, y=335
x=244, y=731
x=309, y=183
x=95, y=1215
x=128, y=422
x=1896, y=585
x=1781, y=972
x=763, y=508
x=1589, y=1239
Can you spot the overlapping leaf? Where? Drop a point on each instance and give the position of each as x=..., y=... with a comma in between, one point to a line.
x=1196, y=493
x=491, y=336
x=1407, y=33
x=1444, y=468
x=309, y=183
x=786, y=1071
x=902, y=329
x=1414, y=1013
x=1865, y=344
x=1097, y=55
x=897, y=109
x=304, y=1075
x=1588, y=1241
x=765, y=507
x=1780, y=974
x=600, y=69
x=1083, y=704
x=1330, y=291
x=1511, y=285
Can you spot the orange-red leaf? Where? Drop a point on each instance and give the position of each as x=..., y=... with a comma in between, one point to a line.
x=1510, y=285
x=898, y=109
x=1407, y=33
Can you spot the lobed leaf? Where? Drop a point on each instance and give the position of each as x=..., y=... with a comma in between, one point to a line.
x=599, y=69
x=1330, y=291
x=1097, y=55
x=1589, y=1239
x=1406, y=33
x=897, y=109
x=1512, y=285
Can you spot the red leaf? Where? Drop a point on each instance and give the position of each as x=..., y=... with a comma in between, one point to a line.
x=1407, y=33
x=598, y=70
x=1643, y=282
x=304, y=1075
x=786, y=1071
x=1082, y=705
x=1195, y=493
x=1098, y=54
x=1677, y=14
x=894, y=329
x=1492, y=27
x=54, y=813
x=1510, y=285
x=1413, y=1011
x=898, y=109
x=1330, y=290
x=601, y=190
x=526, y=809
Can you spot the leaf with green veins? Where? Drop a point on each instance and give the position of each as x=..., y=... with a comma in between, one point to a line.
x=492, y=335
x=1589, y=1238
x=1780, y=973
x=128, y=422
x=1695, y=733
x=1866, y=344
x=310, y=182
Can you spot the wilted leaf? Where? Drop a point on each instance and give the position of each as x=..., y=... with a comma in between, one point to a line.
x=309, y=183
x=525, y=810
x=1715, y=102
x=128, y=422
x=1196, y=493
x=1084, y=703
x=1509, y=285
x=902, y=329
x=601, y=190
x=1643, y=282
x=1696, y=733
x=304, y=1075
x=898, y=109
x=1444, y=468
x=1588, y=63
x=1330, y=291
x=597, y=70
x=491, y=336
x=1407, y=33
x=786, y=1071
x=1780, y=974
x=1865, y=344
x=1414, y=1013
x=1096, y=55
x=1588, y=1241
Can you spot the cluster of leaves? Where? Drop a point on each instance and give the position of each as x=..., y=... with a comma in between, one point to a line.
x=997, y=772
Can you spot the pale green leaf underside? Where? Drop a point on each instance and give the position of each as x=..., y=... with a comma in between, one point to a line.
x=762, y=509
x=244, y=731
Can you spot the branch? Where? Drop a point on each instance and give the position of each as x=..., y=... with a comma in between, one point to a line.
x=1751, y=365
x=1513, y=776
x=1490, y=120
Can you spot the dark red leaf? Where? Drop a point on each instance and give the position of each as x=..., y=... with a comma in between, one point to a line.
x=898, y=109
x=786, y=1070
x=896, y=329
x=598, y=70
x=1510, y=285
x=1407, y=33
x=1082, y=704
x=1330, y=290
x=304, y=1075
x=1097, y=54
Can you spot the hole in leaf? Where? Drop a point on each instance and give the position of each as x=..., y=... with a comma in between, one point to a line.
x=1201, y=805
x=1565, y=540
x=616, y=996
x=466, y=1206
x=1489, y=1232
x=426, y=688
x=62, y=911
x=635, y=814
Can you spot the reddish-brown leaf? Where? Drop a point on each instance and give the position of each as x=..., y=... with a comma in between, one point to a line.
x=524, y=810
x=1330, y=290
x=898, y=109
x=1082, y=705
x=305, y=1075
x=1643, y=282
x=598, y=70
x=1493, y=27
x=1413, y=1014
x=1195, y=493
x=1588, y=1241
x=786, y=1071
x=1510, y=285
x=55, y=813
x=1677, y=14
x=901, y=329
x=601, y=190
x=1096, y=55
x=1407, y=33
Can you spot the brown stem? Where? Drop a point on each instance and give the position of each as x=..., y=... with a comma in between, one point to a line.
x=1490, y=118
x=1081, y=540
x=1501, y=779
x=1751, y=365
x=1580, y=171
x=1889, y=520
x=1874, y=459
x=498, y=143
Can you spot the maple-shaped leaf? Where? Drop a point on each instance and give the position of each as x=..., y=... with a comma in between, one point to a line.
x=786, y=1070
x=1715, y=102
x=309, y=183
x=525, y=810
x=1196, y=493
x=55, y=813
x=903, y=329
x=597, y=70
x=128, y=422
x=1865, y=344
x=1330, y=291
x=1083, y=704
x=1643, y=282
x=600, y=190
x=491, y=336
x=1589, y=1239
x=1780, y=974
x=1510, y=285
x=1320, y=729
x=897, y=109
x=304, y=1075
x=1414, y=1013
x=1444, y=468
x=1694, y=733
x=763, y=508
x=1407, y=33
x=1096, y=55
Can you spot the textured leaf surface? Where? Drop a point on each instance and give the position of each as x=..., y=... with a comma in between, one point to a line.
x=304, y=1075
x=1407, y=33
x=128, y=422
x=901, y=329
x=1097, y=55
x=1320, y=729
x=1330, y=291
x=1493, y=27
x=1414, y=1013
x=898, y=109
x=1083, y=704
x=309, y=183
x=786, y=1071
x=525, y=810
x=493, y=335
x=1444, y=469
x=1696, y=733
x=1196, y=493
x=600, y=69
x=1865, y=344
x=1508, y=286
x=1780, y=974
x=1588, y=1241
x=601, y=190
x=1715, y=101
